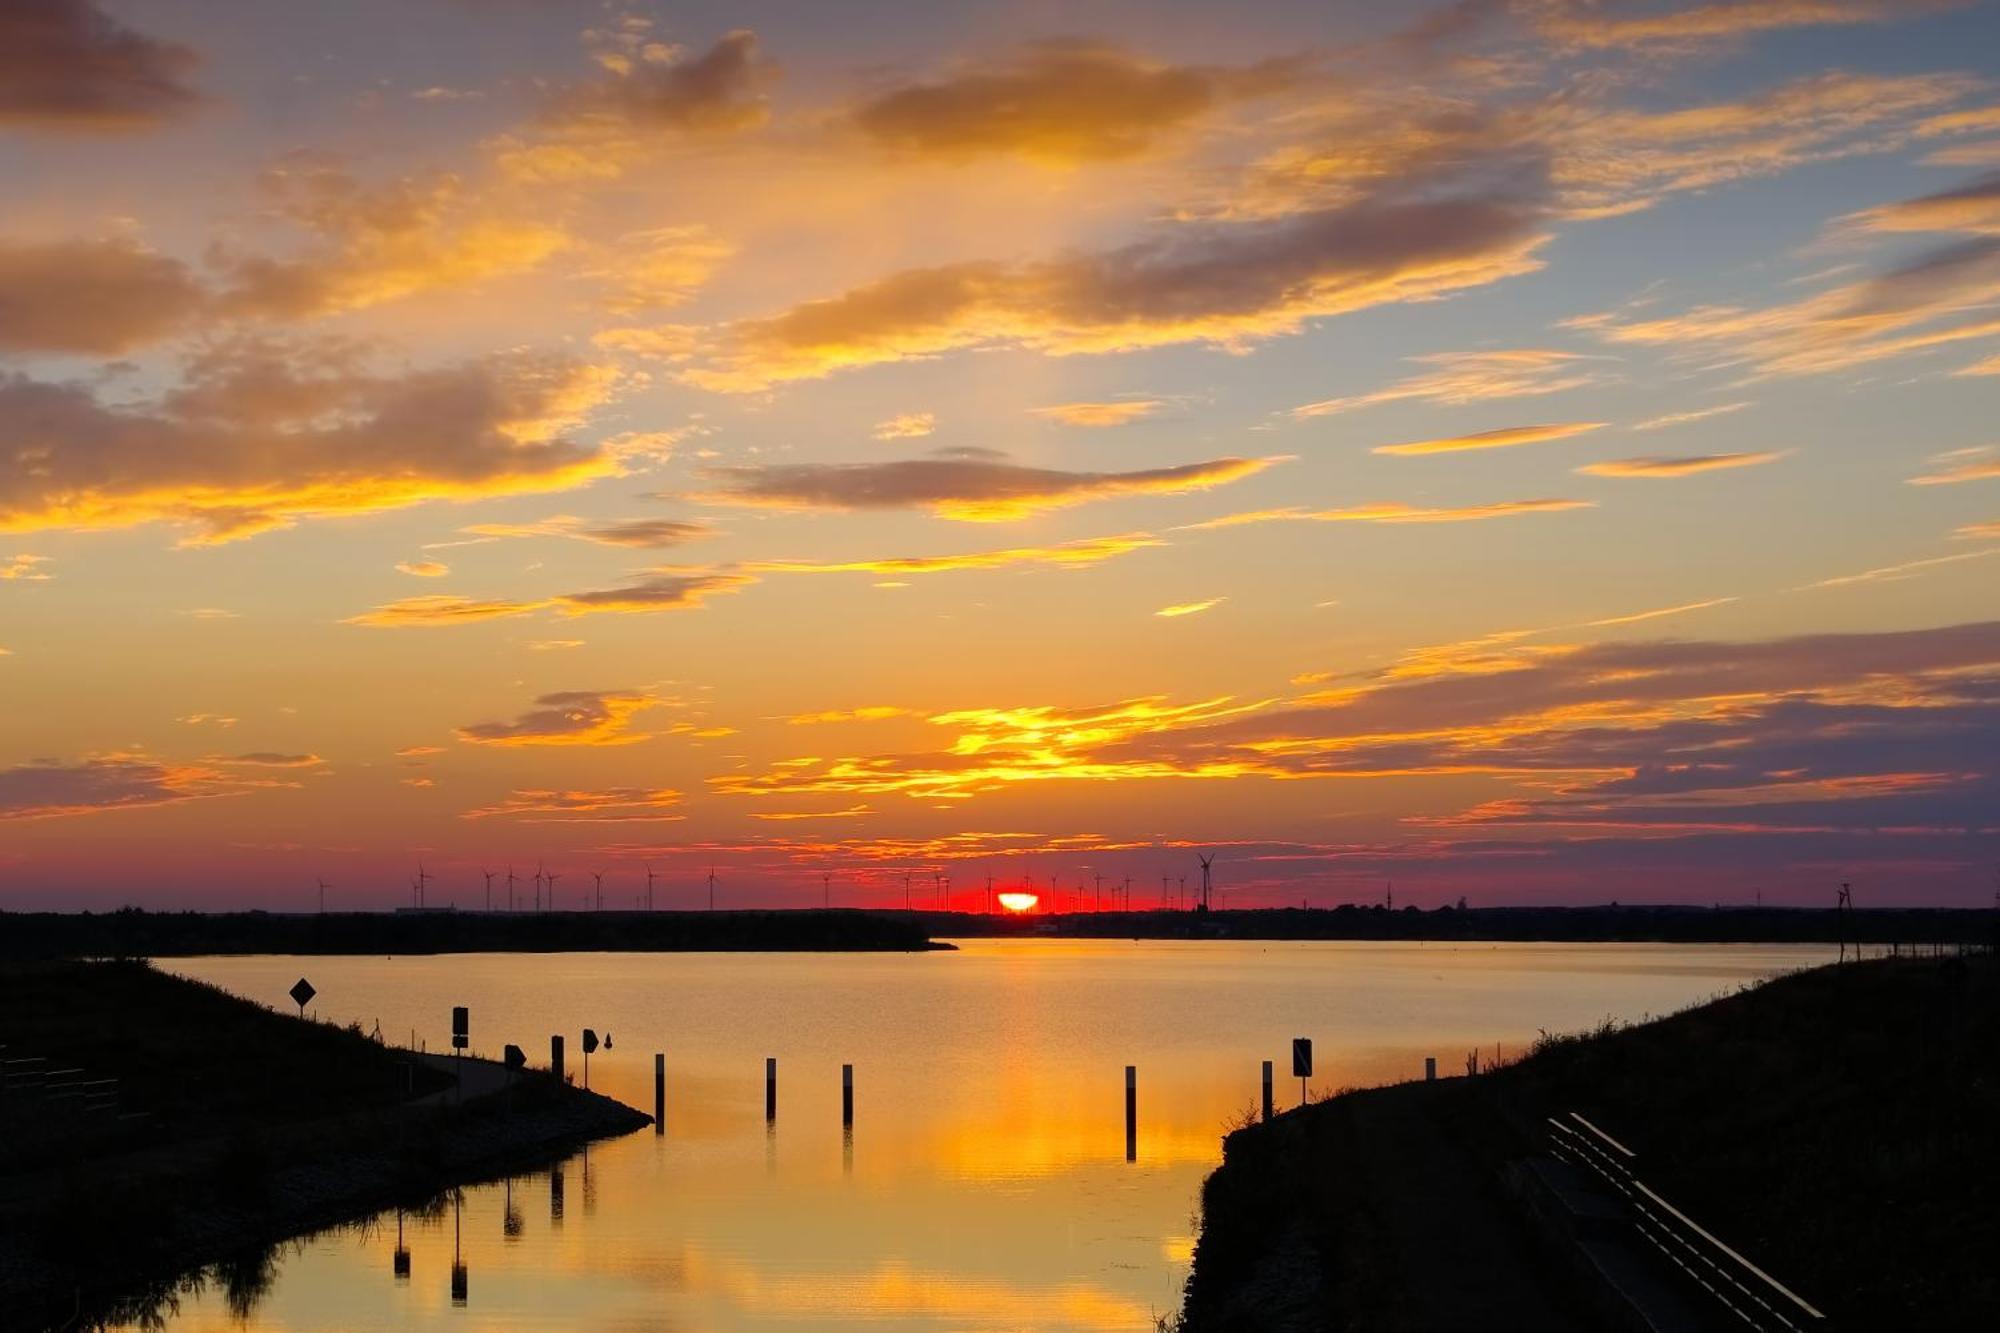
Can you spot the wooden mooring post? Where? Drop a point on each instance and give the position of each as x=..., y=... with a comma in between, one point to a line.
x=770, y=1087
x=847, y=1096
x=1131, y=1113
x=659, y=1092
x=1267, y=1089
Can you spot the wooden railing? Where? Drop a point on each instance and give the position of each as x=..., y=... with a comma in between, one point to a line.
x=1756, y=1299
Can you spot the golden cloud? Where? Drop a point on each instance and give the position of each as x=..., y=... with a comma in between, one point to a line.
x=1657, y=465
x=973, y=486
x=26, y=568
x=423, y=569
x=125, y=781
x=1503, y=438
x=661, y=590
x=906, y=426
x=870, y=713
x=250, y=442
x=1122, y=412
x=1189, y=608
x=1961, y=465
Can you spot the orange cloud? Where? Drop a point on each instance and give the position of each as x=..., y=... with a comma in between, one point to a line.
x=1120, y=413
x=1581, y=23
x=973, y=486
x=871, y=713
x=570, y=717
x=423, y=569
x=95, y=298
x=662, y=590
x=1505, y=437
x=1657, y=465
x=1060, y=101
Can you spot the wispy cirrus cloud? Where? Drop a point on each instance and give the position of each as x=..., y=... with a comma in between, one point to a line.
x=1458, y=378
x=1961, y=465
x=569, y=717
x=1389, y=511
x=1688, y=417
x=868, y=713
x=659, y=590
x=67, y=66
x=975, y=486
x=1683, y=465
x=638, y=533
x=615, y=805
x=1896, y=573
x=1502, y=438
x=1073, y=554
x=1591, y=25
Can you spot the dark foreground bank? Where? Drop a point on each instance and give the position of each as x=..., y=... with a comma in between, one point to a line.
x=150, y=1125
x=1839, y=1129
x=132, y=933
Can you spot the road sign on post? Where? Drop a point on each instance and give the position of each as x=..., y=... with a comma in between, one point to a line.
x=302, y=993
x=461, y=1025
x=1302, y=1064
x=515, y=1057
x=589, y=1045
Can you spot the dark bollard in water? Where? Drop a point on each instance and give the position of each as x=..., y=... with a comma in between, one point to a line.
x=770, y=1087
x=1131, y=1113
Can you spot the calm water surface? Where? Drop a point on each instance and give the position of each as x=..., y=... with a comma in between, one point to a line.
x=985, y=1186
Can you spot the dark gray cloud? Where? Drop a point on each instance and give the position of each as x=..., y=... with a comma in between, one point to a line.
x=67, y=65
x=969, y=485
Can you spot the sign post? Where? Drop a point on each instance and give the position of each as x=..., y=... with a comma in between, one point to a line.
x=461, y=1025
x=1302, y=1064
x=302, y=993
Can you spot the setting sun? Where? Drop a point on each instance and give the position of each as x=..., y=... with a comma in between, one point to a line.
x=1019, y=902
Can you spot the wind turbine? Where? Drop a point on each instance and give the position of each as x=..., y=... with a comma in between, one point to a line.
x=711, y=888
x=538, y=886
x=649, y=886
x=423, y=882
x=1206, y=862
x=552, y=878
x=598, y=875
x=489, y=888
x=323, y=887
x=510, y=888
x=826, y=889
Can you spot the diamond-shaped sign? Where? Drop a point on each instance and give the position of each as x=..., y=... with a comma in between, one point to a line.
x=589, y=1041
x=302, y=993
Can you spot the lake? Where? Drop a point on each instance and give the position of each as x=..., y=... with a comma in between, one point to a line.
x=985, y=1184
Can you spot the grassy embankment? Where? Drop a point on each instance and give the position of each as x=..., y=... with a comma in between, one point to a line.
x=232, y=1128
x=1839, y=1127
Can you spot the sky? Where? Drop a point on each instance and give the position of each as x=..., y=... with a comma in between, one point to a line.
x=1533, y=451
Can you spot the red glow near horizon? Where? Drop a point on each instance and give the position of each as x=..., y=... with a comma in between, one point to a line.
x=1019, y=902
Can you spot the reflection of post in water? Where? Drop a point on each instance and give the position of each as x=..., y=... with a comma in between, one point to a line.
x=555, y=1195
x=847, y=1150
x=510, y=1216
x=589, y=1185
x=458, y=1283
x=402, y=1259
